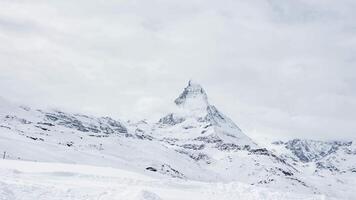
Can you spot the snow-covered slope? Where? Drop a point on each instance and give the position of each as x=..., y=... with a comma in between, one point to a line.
x=329, y=164
x=194, y=142
x=42, y=181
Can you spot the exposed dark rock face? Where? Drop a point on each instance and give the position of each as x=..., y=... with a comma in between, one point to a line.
x=327, y=156
x=209, y=139
x=167, y=170
x=262, y=151
x=313, y=150
x=68, y=121
x=197, y=156
x=193, y=146
x=193, y=90
x=111, y=124
x=21, y=120
x=322, y=165
x=104, y=125
x=171, y=141
x=214, y=116
x=171, y=120
x=35, y=138
x=45, y=123
x=142, y=136
x=228, y=147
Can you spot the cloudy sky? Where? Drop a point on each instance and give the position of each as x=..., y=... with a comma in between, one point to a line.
x=278, y=68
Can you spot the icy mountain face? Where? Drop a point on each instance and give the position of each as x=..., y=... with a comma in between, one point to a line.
x=333, y=156
x=193, y=101
x=313, y=150
x=194, y=110
x=193, y=97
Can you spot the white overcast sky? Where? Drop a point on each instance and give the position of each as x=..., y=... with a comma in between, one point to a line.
x=278, y=68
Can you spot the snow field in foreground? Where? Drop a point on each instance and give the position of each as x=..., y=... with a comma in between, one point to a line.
x=20, y=180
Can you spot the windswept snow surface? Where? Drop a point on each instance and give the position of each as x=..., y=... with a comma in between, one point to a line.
x=22, y=180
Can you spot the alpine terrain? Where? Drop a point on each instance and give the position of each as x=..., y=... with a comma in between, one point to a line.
x=193, y=152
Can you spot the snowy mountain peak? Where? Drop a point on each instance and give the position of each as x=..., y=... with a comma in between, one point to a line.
x=193, y=97
x=202, y=121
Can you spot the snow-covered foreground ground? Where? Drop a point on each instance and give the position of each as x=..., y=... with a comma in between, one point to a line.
x=34, y=180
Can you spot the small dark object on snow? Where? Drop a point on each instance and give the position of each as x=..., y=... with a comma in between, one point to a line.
x=151, y=169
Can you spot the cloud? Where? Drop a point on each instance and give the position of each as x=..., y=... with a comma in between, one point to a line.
x=278, y=68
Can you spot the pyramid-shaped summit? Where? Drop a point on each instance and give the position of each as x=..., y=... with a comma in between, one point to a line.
x=194, y=103
x=195, y=111
x=193, y=97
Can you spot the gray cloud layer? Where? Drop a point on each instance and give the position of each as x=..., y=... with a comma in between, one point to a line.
x=278, y=68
